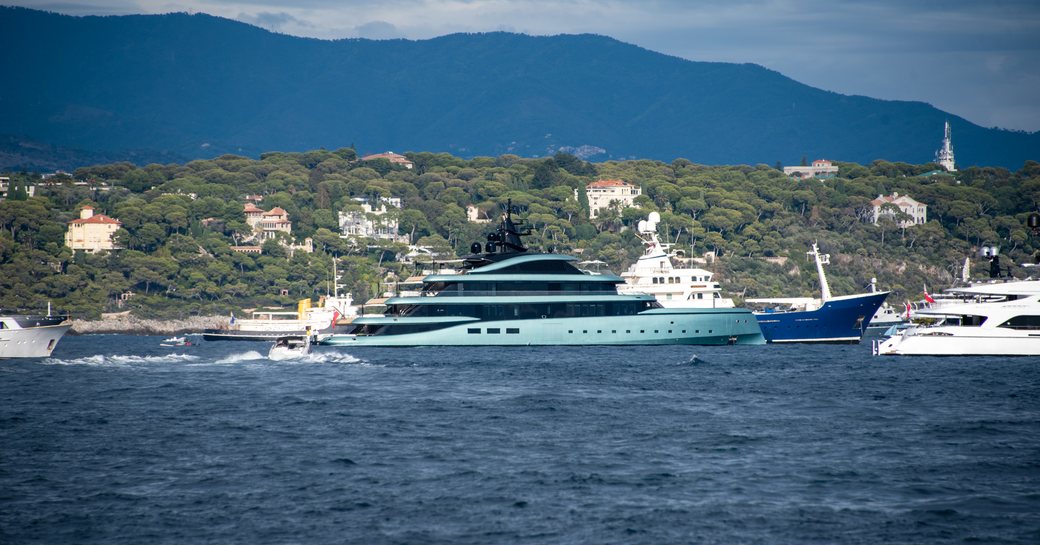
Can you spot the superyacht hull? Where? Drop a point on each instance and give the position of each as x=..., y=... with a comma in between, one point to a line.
x=31, y=342
x=654, y=327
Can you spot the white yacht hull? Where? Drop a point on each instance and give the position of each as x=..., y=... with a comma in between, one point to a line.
x=954, y=341
x=31, y=342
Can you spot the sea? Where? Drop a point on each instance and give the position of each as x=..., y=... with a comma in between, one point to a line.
x=116, y=439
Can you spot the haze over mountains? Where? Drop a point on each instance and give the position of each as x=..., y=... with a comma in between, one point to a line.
x=179, y=86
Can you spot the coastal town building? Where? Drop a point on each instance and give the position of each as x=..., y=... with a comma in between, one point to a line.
x=820, y=168
x=394, y=158
x=91, y=232
x=266, y=224
x=372, y=222
x=917, y=211
x=944, y=156
x=603, y=193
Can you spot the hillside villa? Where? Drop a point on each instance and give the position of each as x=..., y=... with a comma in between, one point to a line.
x=603, y=193
x=371, y=222
x=821, y=168
x=92, y=233
x=917, y=211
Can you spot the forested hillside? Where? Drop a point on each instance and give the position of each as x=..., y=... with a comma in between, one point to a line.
x=176, y=264
x=196, y=86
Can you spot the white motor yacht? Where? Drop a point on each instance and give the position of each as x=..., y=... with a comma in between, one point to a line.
x=290, y=347
x=673, y=287
x=31, y=335
x=998, y=319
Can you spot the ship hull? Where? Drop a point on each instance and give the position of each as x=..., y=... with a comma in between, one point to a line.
x=31, y=342
x=654, y=327
x=839, y=320
x=960, y=341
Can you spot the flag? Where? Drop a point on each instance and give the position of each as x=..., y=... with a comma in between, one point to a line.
x=908, y=310
x=928, y=297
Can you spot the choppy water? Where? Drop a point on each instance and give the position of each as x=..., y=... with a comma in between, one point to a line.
x=118, y=440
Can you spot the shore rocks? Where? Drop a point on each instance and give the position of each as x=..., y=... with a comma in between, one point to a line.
x=127, y=323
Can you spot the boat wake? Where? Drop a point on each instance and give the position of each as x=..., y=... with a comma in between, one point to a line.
x=240, y=357
x=122, y=360
x=313, y=357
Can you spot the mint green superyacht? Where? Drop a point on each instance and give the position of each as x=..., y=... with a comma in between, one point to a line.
x=506, y=295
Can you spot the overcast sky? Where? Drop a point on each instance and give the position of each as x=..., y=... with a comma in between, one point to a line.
x=976, y=59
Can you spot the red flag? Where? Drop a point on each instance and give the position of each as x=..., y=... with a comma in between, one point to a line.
x=908, y=310
x=928, y=297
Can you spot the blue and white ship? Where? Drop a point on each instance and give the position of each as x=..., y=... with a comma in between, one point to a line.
x=506, y=295
x=827, y=319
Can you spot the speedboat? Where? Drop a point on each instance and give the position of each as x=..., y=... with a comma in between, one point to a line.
x=827, y=319
x=673, y=287
x=507, y=295
x=290, y=347
x=1002, y=319
x=31, y=335
x=175, y=341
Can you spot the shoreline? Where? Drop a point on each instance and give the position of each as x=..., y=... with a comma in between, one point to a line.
x=132, y=325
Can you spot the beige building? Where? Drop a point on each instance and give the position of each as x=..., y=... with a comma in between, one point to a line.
x=821, y=168
x=917, y=211
x=604, y=192
x=92, y=233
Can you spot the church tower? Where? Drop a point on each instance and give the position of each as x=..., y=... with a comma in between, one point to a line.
x=945, y=154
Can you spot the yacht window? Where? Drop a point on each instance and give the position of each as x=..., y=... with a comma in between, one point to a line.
x=655, y=279
x=494, y=330
x=473, y=330
x=1022, y=322
x=512, y=330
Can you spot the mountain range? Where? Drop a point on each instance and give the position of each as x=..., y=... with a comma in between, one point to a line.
x=185, y=86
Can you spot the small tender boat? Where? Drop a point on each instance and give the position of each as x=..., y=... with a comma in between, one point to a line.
x=175, y=341
x=290, y=347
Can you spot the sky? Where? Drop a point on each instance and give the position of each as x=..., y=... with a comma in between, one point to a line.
x=979, y=60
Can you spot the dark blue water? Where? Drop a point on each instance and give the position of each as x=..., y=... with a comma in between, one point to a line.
x=118, y=440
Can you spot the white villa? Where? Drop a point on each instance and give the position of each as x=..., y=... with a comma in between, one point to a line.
x=5, y=187
x=371, y=222
x=604, y=192
x=917, y=211
x=821, y=168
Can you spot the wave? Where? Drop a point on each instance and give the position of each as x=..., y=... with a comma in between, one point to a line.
x=240, y=357
x=118, y=360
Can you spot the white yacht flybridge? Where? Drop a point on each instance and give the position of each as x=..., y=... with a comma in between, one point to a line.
x=673, y=287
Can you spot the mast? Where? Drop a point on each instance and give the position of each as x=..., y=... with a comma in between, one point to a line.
x=821, y=260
